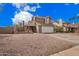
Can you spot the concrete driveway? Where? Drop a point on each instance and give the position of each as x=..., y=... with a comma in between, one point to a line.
x=72, y=37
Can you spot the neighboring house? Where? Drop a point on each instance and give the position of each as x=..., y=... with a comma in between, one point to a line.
x=65, y=27
x=6, y=30
x=38, y=24
x=70, y=27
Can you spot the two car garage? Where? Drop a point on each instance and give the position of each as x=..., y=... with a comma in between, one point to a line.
x=45, y=29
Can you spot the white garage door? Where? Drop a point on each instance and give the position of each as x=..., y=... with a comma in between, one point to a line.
x=47, y=29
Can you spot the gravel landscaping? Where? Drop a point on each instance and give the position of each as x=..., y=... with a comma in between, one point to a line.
x=31, y=45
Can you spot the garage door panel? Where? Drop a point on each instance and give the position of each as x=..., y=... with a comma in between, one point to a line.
x=47, y=29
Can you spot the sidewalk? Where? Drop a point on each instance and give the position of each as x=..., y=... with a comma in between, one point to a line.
x=74, y=51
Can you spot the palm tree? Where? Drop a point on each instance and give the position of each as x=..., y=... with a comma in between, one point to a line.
x=74, y=18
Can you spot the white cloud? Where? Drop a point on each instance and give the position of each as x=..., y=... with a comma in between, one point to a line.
x=70, y=3
x=22, y=16
x=26, y=8
x=16, y=5
x=19, y=5
x=76, y=3
x=33, y=9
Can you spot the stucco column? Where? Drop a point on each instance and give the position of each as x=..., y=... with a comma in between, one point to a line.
x=37, y=28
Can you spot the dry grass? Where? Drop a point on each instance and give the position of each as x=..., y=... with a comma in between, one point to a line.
x=32, y=45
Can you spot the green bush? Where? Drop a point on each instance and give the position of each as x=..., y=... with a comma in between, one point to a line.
x=59, y=29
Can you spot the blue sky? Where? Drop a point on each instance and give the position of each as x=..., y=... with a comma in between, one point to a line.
x=55, y=10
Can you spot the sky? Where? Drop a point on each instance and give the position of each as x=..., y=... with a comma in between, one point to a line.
x=14, y=13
